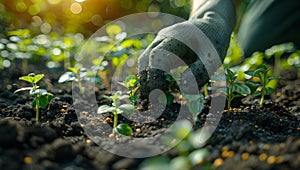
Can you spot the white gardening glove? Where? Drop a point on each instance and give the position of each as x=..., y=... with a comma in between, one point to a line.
x=214, y=18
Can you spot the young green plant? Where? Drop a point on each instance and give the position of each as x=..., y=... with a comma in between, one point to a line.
x=75, y=74
x=234, y=88
x=261, y=88
x=131, y=83
x=116, y=109
x=41, y=96
x=79, y=74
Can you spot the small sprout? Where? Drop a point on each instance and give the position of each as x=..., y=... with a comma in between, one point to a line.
x=261, y=87
x=234, y=89
x=131, y=83
x=195, y=104
x=78, y=74
x=41, y=96
x=115, y=109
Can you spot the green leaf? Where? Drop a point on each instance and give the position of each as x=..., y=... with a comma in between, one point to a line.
x=274, y=77
x=124, y=129
x=127, y=108
x=159, y=163
x=195, y=107
x=198, y=156
x=251, y=73
x=241, y=88
x=131, y=81
x=75, y=69
x=192, y=97
x=105, y=109
x=45, y=99
x=133, y=99
x=107, y=97
x=32, y=78
x=180, y=163
x=259, y=71
x=268, y=90
x=252, y=84
x=37, y=78
x=116, y=95
x=67, y=76
x=256, y=93
x=113, y=30
x=230, y=73
x=33, y=102
x=37, y=92
x=23, y=89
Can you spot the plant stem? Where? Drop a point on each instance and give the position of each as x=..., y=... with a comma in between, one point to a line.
x=262, y=100
x=115, y=121
x=80, y=84
x=205, y=90
x=37, y=111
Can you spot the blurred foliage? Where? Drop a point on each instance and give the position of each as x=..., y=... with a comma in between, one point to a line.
x=79, y=16
x=189, y=154
x=282, y=56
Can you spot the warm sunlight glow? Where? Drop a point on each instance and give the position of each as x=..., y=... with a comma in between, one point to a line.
x=79, y=0
x=54, y=2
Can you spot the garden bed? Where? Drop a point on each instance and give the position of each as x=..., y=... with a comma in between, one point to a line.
x=250, y=137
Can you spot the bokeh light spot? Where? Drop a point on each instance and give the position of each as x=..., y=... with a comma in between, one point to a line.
x=6, y=63
x=45, y=28
x=21, y=7
x=76, y=8
x=54, y=2
x=36, y=21
x=34, y=9
x=180, y=3
x=97, y=20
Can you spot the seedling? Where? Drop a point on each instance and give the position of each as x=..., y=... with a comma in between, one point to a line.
x=131, y=83
x=41, y=96
x=79, y=74
x=261, y=87
x=234, y=88
x=195, y=104
x=115, y=109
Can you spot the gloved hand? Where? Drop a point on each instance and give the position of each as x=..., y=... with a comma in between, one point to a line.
x=214, y=18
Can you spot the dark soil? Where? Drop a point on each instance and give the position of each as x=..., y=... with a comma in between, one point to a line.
x=249, y=137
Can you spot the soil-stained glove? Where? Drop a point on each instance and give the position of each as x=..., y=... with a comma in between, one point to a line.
x=214, y=18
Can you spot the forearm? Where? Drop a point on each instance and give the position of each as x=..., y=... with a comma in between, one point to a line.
x=197, y=3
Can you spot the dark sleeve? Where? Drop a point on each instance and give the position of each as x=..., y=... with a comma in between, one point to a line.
x=269, y=22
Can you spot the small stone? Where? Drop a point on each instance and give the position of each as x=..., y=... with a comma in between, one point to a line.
x=267, y=147
x=245, y=156
x=65, y=106
x=227, y=154
x=271, y=160
x=28, y=160
x=108, y=120
x=218, y=162
x=262, y=157
x=279, y=159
